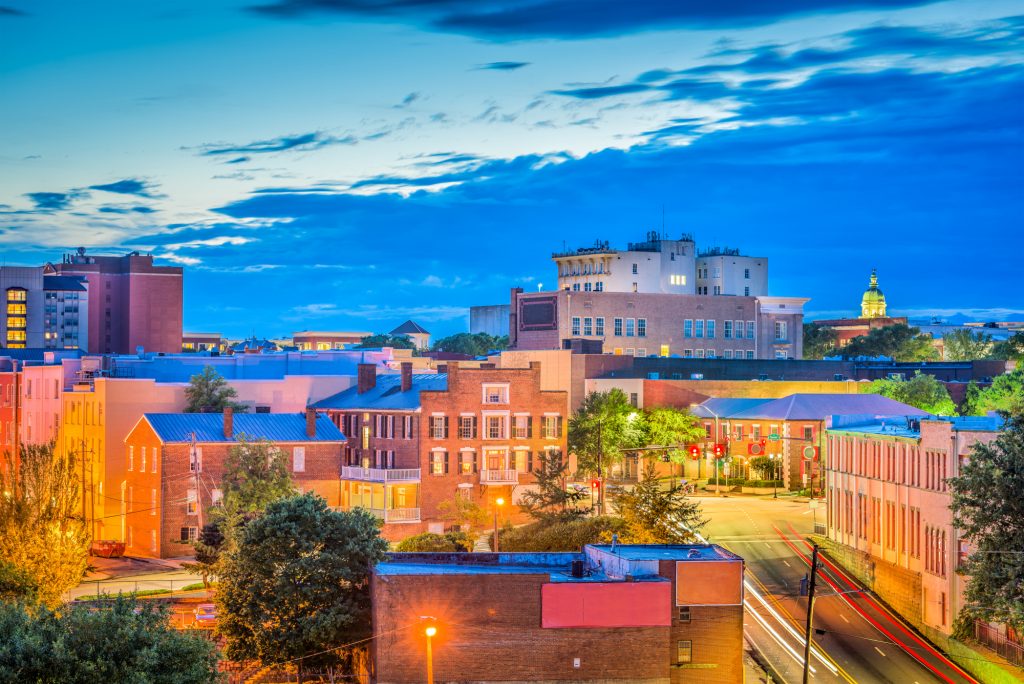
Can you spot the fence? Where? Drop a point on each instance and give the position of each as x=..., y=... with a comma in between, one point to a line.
x=991, y=637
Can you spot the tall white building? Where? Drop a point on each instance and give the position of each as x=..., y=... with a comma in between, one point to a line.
x=661, y=265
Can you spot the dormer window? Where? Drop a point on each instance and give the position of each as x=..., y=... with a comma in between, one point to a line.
x=495, y=394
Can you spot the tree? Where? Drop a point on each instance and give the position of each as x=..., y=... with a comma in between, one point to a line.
x=1006, y=394
x=16, y=585
x=668, y=427
x=553, y=500
x=898, y=342
x=656, y=514
x=298, y=584
x=1011, y=349
x=921, y=391
x=819, y=341
x=123, y=641
x=473, y=344
x=764, y=467
x=209, y=392
x=965, y=345
x=429, y=542
x=988, y=506
x=42, y=533
x=603, y=425
x=382, y=340
x=566, y=535
x=208, y=547
x=463, y=513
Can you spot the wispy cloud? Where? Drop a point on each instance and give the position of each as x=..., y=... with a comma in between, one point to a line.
x=300, y=142
x=407, y=100
x=54, y=201
x=6, y=11
x=425, y=313
x=128, y=186
x=501, y=66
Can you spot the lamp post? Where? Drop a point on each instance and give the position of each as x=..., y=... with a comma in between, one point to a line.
x=497, y=504
x=430, y=632
x=775, y=481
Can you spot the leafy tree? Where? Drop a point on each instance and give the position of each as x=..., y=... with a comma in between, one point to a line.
x=669, y=427
x=565, y=535
x=42, y=533
x=966, y=345
x=764, y=467
x=124, y=641
x=210, y=392
x=16, y=585
x=1011, y=349
x=553, y=500
x=899, y=342
x=208, y=547
x=474, y=344
x=657, y=514
x=463, y=513
x=449, y=542
x=921, y=391
x=819, y=341
x=1006, y=394
x=604, y=425
x=255, y=475
x=381, y=340
x=988, y=505
x=298, y=584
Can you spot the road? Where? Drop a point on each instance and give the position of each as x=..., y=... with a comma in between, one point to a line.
x=162, y=579
x=861, y=643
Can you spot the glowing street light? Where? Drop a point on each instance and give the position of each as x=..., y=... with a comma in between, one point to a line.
x=498, y=503
x=430, y=632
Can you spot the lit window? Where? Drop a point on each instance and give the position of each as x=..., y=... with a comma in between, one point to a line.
x=684, y=652
x=438, y=462
x=496, y=394
x=552, y=427
x=677, y=279
x=192, y=503
x=522, y=427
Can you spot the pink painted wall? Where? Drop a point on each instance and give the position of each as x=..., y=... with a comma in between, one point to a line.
x=606, y=604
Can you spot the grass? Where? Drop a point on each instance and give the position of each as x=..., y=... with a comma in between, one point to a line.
x=144, y=592
x=196, y=586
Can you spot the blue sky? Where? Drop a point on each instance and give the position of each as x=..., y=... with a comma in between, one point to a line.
x=348, y=164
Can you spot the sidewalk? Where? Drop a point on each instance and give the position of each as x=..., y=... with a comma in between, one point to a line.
x=127, y=566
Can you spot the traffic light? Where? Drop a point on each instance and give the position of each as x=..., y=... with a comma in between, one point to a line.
x=595, y=485
x=718, y=450
x=695, y=452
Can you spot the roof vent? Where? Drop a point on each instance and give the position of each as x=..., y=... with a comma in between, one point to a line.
x=693, y=553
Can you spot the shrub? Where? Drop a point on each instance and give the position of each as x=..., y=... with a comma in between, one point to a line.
x=431, y=542
x=560, y=536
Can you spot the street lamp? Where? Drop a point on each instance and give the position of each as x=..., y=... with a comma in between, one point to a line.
x=497, y=504
x=430, y=632
x=775, y=481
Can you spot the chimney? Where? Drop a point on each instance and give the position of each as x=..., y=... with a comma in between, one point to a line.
x=406, y=376
x=310, y=422
x=366, y=378
x=229, y=422
x=442, y=368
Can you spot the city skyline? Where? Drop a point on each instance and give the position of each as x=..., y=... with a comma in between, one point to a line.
x=353, y=175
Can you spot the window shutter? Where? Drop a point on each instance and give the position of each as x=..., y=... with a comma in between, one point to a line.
x=446, y=433
x=559, y=428
x=529, y=427
x=529, y=461
x=446, y=456
x=476, y=465
x=473, y=430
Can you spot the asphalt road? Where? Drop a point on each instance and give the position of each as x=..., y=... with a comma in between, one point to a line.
x=862, y=642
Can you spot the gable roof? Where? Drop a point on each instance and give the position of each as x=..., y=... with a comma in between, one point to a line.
x=724, y=407
x=387, y=394
x=409, y=328
x=817, y=406
x=209, y=427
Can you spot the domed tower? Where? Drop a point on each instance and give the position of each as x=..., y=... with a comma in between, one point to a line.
x=872, y=305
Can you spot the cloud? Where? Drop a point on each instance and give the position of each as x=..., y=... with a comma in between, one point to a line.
x=423, y=313
x=54, y=201
x=407, y=100
x=129, y=186
x=300, y=142
x=237, y=160
x=507, y=19
x=502, y=66
x=6, y=11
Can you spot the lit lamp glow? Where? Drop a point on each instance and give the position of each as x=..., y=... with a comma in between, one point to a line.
x=430, y=632
x=498, y=503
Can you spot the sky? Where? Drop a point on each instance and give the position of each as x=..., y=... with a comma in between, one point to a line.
x=350, y=164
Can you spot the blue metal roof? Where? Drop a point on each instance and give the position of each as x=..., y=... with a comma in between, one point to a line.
x=387, y=395
x=817, y=406
x=725, y=407
x=209, y=427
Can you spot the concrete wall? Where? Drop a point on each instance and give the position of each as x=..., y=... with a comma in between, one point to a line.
x=492, y=319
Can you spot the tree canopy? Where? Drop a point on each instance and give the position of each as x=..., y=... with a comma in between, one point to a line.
x=381, y=340
x=1006, y=394
x=898, y=342
x=966, y=345
x=657, y=512
x=819, y=341
x=670, y=428
x=43, y=537
x=123, y=641
x=921, y=391
x=605, y=424
x=553, y=500
x=474, y=344
x=298, y=584
x=208, y=391
x=1011, y=349
x=988, y=506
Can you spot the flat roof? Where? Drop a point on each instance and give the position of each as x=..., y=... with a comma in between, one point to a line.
x=676, y=552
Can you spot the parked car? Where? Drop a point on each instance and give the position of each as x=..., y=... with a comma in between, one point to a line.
x=206, y=615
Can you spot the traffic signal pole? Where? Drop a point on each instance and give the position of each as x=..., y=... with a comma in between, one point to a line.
x=810, y=613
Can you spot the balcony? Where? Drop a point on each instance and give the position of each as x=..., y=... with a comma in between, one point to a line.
x=381, y=475
x=499, y=477
x=396, y=515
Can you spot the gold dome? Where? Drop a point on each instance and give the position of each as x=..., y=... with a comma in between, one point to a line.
x=872, y=305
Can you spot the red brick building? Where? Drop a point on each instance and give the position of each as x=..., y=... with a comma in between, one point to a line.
x=10, y=415
x=174, y=466
x=132, y=303
x=415, y=441
x=638, y=614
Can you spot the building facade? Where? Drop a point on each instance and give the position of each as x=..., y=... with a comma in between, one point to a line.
x=688, y=326
x=42, y=310
x=873, y=316
x=324, y=340
x=637, y=614
x=491, y=320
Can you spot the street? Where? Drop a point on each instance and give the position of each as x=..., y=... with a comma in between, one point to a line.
x=861, y=643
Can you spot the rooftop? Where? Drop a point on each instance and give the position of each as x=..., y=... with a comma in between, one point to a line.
x=724, y=407
x=209, y=427
x=676, y=552
x=64, y=283
x=410, y=328
x=387, y=394
x=817, y=406
x=909, y=427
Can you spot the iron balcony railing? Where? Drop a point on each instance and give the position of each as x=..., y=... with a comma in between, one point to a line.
x=380, y=474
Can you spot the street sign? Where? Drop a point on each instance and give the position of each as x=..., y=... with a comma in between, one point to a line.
x=813, y=503
x=774, y=437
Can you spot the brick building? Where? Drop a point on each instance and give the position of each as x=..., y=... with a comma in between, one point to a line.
x=308, y=340
x=638, y=614
x=131, y=302
x=417, y=440
x=175, y=465
x=646, y=324
x=888, y=504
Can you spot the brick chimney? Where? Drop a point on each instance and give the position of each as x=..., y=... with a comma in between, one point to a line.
x=406, y=376
x=310, y=422
x=366, y=378
x=229, y=422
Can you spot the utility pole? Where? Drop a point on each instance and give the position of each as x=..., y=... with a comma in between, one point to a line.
x=600, y=458
x=810, y=613
x=199, y=498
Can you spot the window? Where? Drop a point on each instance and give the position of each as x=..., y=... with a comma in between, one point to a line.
x=438, y=462
x=188, y=534
x=217, y=497
x=522, y=427
x=711, y=329
x=756, y=433
x=750, y=354
x=687, y=353
x=664, y=351
x=142, y=460
x=698, y=328
x=634, y=269
x=780, y=330
x=407, y=427
x=700, y=353
x=642, y=351
x=630, y=327
x=634, y=399
x=131, y=458
x=710, y=353
x=588, y=326
x=718, y=289
x=599, y=287
x=746, y=274
x=575, y=325
x=684, y=651
x=439, y=427
x=467, y=462
x=688, y=328
x=677, y=279
x=750, y=332
x=728, y=353
x=808, y=433
x=575, y=287
x=495, y=427
x=195, y=461
x=746, y=291
x=467, y=427
x=299, y=459
x=727, y=330
x=191, y=503
x=495, y=394
x=684, y=613
x=634, y=287
x=599, y=325
x=552, y=427
x=586, y=287
x=780, y=354
x=618, y=327
x=641, y=327
x=716, y=272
